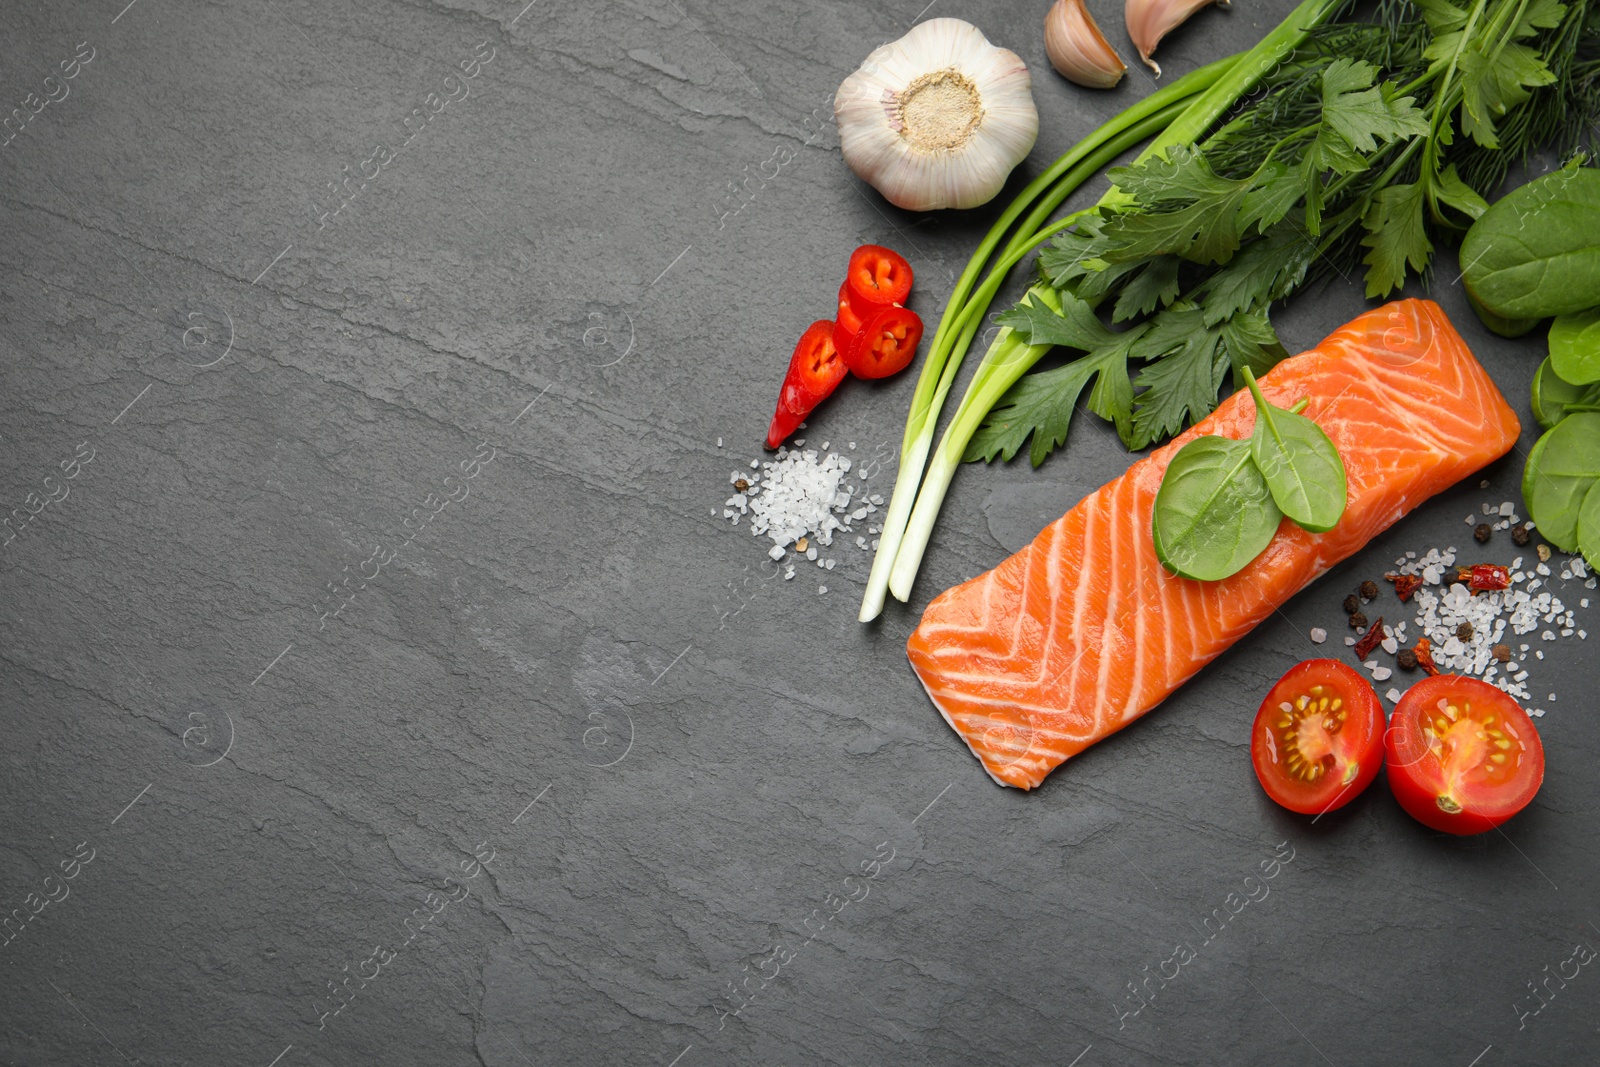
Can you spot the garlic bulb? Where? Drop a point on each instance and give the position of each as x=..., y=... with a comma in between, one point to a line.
x=1150, y=20
x=938, y=118
x=1078, y=50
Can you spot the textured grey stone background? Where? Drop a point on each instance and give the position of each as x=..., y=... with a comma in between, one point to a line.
x=634, y=770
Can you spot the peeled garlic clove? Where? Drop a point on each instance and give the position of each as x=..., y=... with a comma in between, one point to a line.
x=1150, y=20
x=938, y=118
x=1077, y=49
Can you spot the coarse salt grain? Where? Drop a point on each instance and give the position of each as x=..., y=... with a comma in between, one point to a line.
x=1393, y=695
x=1318, y=635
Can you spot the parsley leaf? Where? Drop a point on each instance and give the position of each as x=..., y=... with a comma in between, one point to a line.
x=1179, y=383
x=1277, y=190
x=1356, y=117
x=1042, y=404
x=1181, y=207
x=1364, y=114
x=1395, y=237
x=1250, y=341
x=1493, y=83
x=1450, y=189
x=1187, y=359
x=1156, y=283
x=1263, y=271
x=1074, y=327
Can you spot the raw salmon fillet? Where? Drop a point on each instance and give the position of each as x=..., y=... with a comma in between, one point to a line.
x=1084, y=630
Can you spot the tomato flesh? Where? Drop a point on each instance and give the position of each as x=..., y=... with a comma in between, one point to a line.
x=1463, y=757
x=815, y=369
x=878, y=275
x=1318, y=737
x=847, y=326
x=886, y=344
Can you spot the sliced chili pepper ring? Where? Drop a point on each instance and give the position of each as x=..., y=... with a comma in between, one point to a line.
x=879, y=275
x=847, y=325
x=886, y=344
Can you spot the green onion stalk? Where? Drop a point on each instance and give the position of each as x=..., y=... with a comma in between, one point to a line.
x=1176, y=114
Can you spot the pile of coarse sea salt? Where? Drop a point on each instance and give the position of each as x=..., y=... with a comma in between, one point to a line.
x=1496, y=617
x=800, y=499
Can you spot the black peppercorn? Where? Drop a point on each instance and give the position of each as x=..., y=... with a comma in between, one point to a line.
x=1464, y=631
x=1519, y=534
x=1481, y=533
x=1369, y=589
x=1407, y=659
x=1352, y=604
x=1502, y=653
x=1358, y=620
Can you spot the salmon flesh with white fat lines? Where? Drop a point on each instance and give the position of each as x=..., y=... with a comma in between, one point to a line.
x=1084, y=630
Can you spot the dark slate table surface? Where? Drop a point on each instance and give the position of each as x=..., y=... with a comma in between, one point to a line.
x=571, y=775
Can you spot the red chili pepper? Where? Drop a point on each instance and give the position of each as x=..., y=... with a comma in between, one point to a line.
x=847, y=326
x=814, y=370
x=886, y=344
x=878, y=275
x=1424, y=650
x=1404, y=584
x=1484, y=577
x=1369, y=640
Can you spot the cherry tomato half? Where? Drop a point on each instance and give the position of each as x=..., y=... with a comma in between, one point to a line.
x=1462, y=756
x=886, y=344
x=878, y=275
x=815, y=370
x=1318, y=738
x=849, y=321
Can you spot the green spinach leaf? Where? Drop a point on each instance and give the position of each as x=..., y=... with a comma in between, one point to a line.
x=1589, y=525
x=1536, y=251
x=1575, y=346
x=1213, y=513
x=1563, y=467
x=1300, y=465
x=1554, y=398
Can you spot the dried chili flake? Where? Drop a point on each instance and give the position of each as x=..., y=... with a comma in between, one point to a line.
x=1484, y=577
x=1423, y=650
x=1370, y=640
x=1404, y=584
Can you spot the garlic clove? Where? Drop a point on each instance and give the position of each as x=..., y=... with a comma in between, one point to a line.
x=1150, y=20
x=1078, y=50
x=938, y=118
